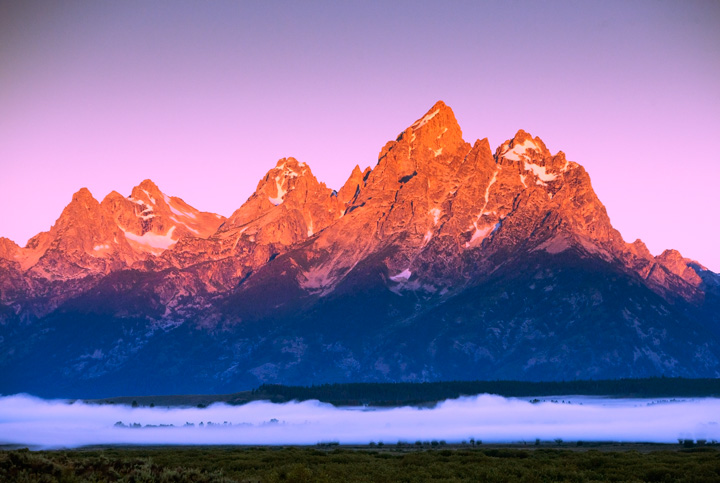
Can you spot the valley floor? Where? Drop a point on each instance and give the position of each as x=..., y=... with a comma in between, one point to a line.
x=411, y=462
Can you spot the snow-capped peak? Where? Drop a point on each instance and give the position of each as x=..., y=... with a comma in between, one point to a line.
x=518, y=151
x=279, y=178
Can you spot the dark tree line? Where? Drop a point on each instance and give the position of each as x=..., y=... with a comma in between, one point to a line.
x=401, y=393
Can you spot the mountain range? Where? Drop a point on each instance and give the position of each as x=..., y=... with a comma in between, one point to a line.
x=444, y=261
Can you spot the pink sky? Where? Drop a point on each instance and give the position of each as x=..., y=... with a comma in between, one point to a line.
x=204, y=97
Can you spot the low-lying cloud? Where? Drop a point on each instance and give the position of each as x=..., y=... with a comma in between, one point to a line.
x=26, y=420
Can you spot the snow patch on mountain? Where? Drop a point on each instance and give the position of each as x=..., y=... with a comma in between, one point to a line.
x=185, y=225
x=479, y=234
x=436, y=212
x=281, y=192
x=152, y=200
x=402, y=276
x=152, y=241
x=540, y=172
x=181, y=212
x=425, y=119
x=318, y=279
x=518, y=151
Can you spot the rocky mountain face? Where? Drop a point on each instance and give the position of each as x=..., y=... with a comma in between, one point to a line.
x=93, y=239
x=444, y=261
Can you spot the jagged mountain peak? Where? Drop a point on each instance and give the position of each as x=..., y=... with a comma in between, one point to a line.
x=83, y=195
x=438, y=121
x=91, y=237
x=670, y=254
x=148, y=184
x=356, y=171
x=685, y=268
x=282, y=179
x=530, y=156
x=523, y=147
x=82, y=204
x=291, y=165
x=426, y=149
x=146, y=192
x=353, y=185
x=288, y=205
x=482, y=145
x=8, y=248
x=438, y=115
x=153, y=221
x=291, y=168
x=113, y=195
x=640, y=249
x=436, y=134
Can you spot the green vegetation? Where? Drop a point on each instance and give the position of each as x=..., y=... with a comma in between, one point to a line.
x=403, y=462
x=398, y=394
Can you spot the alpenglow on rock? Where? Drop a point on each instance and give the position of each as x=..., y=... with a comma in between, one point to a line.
x=443, y=261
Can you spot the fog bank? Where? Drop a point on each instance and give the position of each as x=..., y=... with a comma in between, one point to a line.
x=26, y=420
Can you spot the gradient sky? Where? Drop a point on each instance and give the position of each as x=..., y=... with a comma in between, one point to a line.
x=204, y=97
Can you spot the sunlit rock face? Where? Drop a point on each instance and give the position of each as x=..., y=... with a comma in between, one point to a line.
x=445, y=260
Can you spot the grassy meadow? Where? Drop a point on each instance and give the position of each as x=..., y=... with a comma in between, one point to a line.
x=410, y=462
